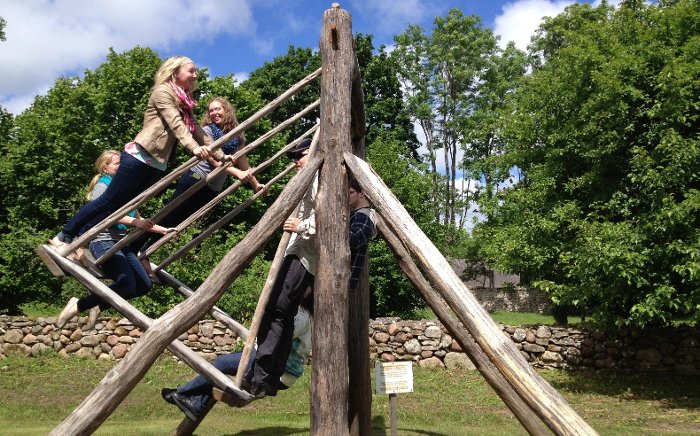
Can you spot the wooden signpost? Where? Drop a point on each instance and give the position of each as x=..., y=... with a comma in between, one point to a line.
x=393, y=378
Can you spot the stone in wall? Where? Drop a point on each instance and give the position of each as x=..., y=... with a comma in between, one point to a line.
x=458, y=361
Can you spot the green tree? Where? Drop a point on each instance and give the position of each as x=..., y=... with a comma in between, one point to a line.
x=2, y=29
x=408, y=180
x=483, y=131
x=449, y=76
x=49, y=160
x=391, y=150
x=385, y=111
x=606, y=136
x=277, y=76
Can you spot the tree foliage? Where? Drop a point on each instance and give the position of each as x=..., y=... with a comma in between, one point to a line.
x=280, y=74
x=606, y=135
x=50, y=158
x=391, y=150
x=455, y=81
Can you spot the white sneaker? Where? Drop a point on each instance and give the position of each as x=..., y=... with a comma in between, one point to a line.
x=67, y=313
x=56, y=243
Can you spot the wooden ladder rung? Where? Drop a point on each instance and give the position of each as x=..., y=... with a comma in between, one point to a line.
x=89, y=265
x=42, y=251
x=228, y=398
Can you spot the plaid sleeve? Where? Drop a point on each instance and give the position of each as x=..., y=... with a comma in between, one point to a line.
x=361, y=230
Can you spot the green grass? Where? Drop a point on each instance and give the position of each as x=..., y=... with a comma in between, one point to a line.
x=508, y=318
x=37, y=394
x=517, y=318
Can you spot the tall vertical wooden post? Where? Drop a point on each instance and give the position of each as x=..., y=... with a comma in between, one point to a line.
x=329, y=382
x=360, y=390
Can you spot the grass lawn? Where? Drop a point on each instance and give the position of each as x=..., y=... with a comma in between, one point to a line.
x=37, y=394
x=529, y=318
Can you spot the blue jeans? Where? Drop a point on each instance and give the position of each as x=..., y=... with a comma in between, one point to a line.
x=180, y=213
x=199, y=388
x=124, y=268
x=132, y=178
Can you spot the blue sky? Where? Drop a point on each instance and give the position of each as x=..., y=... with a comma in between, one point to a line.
x=47, y=39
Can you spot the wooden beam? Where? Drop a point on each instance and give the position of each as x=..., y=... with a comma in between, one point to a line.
x=223, y=194
x=359, y=370
x=187, y=426
x=116, y=385
x=140, y=320
x=551, y=407
x=220, y=223
x=520, y=409
x=136, y=232
x=329, y=376
x=239, y=329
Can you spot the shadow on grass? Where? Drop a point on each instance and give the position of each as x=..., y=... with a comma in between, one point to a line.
x=673, y=390
x=380, y=428
x=272, y=431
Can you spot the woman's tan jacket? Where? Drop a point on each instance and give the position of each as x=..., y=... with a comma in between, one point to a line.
x=163, y=126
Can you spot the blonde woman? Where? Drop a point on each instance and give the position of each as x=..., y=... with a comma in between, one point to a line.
x=129, y=277
x=220, y=119
x=169, y=119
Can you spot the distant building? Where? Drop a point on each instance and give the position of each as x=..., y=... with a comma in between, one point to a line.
x=478, y=275
x=498, y=291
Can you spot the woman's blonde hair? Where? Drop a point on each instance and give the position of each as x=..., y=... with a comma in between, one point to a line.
x=230, y=119
x=169, y=69
x=102, y=161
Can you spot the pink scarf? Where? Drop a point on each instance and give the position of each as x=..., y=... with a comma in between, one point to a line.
x=187, y=104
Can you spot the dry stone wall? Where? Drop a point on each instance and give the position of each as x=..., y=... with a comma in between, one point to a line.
x=108, y=339
x=425, y=342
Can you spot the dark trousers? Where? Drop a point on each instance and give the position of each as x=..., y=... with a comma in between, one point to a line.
x=132, y=178
x=124, y=268
x=199, y=388
x=180, y=213
x=277, y=326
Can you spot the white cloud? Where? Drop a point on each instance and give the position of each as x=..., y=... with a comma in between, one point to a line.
x=50, y=38
x=519, y=20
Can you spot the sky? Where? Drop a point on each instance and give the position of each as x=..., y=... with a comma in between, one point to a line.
x=48, y=39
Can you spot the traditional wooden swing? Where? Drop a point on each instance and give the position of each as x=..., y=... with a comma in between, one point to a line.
x=340, y=382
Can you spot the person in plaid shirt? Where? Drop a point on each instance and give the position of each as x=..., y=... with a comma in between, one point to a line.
x=361, y=230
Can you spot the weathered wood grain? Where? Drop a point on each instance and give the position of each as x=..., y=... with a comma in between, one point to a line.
x=551, y=407
x=520, y=409
x=329, y=377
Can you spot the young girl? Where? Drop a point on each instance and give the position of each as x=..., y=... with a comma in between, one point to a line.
x=168, y=119
x=219, y=120
x=130, y=278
